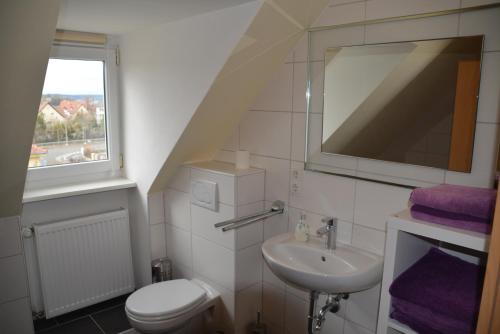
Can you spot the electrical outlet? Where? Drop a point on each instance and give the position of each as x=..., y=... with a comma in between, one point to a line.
x=296, y=182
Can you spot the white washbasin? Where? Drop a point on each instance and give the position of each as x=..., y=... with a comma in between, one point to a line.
x=311, y=266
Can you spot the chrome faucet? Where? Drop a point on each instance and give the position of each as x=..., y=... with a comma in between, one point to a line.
x=330, y=229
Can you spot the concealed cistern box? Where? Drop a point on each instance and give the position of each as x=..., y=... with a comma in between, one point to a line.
x=204, y=194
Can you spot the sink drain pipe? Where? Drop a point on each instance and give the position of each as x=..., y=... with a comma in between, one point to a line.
x=315, y=322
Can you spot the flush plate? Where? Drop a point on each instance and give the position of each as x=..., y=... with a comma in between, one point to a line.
x=204, y=194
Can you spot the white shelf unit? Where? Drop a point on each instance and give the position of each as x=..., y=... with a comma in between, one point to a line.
x=407, y=241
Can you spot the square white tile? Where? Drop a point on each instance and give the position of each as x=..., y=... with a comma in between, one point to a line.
x=266, y=133
x=181, y=271
x=333, y=324
x=13, y=281
x=15, y=317
x=324, y=194
x=300, y=50
x=376, y=9
x=215, y=262
x=273, y=304
x=277, y=95
x=341, y=14
x=158, y=241
x=277, y=176
x=10, y=236
x=297, y=292
x=180, y=180
x=375, y=202
x=178, y=245
x=233, y=141
x=368, y=239
x=250, y=188
x=362, y=307
x=177, y=209
x=156, y=208
x=248, y=267
x=248, y=303
x=203, y=221
x=352, y=328
x=295, y=315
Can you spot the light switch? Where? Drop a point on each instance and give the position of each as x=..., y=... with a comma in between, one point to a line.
x=204, y=194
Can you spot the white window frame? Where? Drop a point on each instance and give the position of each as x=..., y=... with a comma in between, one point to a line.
x=93, y=170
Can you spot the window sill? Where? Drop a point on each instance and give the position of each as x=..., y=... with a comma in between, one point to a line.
x=43, y=194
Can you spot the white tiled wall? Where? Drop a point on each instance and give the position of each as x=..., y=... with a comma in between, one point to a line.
x=274, y=132
x=15, y=309
x=230, y=261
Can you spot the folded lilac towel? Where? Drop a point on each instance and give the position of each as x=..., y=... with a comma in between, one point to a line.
x=457, y=220
x=443, y=284
x=424, y=320
x=477, y=202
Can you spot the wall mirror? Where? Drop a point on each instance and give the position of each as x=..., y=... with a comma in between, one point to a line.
x=407, y=104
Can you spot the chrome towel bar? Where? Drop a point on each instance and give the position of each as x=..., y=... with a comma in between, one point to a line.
x=278, y=207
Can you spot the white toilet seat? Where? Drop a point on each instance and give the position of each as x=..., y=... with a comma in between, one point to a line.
x=165, y=300
x=165, y=306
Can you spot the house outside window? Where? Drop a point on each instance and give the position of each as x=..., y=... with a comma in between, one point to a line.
x=76, y=130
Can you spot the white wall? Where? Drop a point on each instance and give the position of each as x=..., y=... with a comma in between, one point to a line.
x=274, y=129
x=23, y=60
x=166, y=71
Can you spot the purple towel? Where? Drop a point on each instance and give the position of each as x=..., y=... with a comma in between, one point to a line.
x=424, y=320
x=477, y=202
x=442, y=283
x=457, y=220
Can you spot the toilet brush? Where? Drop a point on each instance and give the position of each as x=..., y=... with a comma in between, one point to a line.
x=258, y=328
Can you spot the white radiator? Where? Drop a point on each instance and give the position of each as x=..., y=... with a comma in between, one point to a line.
x=84, y=261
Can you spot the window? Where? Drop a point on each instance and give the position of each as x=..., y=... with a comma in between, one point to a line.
x=76, y=126
x=71, y=122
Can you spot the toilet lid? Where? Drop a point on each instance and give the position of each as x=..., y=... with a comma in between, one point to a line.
x=165, y=299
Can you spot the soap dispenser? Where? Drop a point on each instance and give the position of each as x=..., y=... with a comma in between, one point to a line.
x=302, y=229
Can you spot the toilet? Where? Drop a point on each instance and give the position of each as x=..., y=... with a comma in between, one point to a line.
x=171, y=306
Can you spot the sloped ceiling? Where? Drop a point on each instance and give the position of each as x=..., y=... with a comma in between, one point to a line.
x=275, y=29
x=28, y=28
x=121, y=16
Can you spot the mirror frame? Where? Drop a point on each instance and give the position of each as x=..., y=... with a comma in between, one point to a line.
x=388, y=179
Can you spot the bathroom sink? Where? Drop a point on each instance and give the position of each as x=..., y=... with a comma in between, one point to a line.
x=313, y=267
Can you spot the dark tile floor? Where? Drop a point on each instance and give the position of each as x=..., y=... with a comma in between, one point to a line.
x=104, y=318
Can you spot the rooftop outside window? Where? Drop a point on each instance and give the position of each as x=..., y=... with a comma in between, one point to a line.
x=71, y=121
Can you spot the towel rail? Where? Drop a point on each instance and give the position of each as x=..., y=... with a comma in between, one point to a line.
x=278, y=207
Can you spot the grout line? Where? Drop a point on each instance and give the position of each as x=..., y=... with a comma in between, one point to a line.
x=95, y=322
x=9, y=256
x=347, y=4
x=106, y=309
x=263, y=110
x=72, y=320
